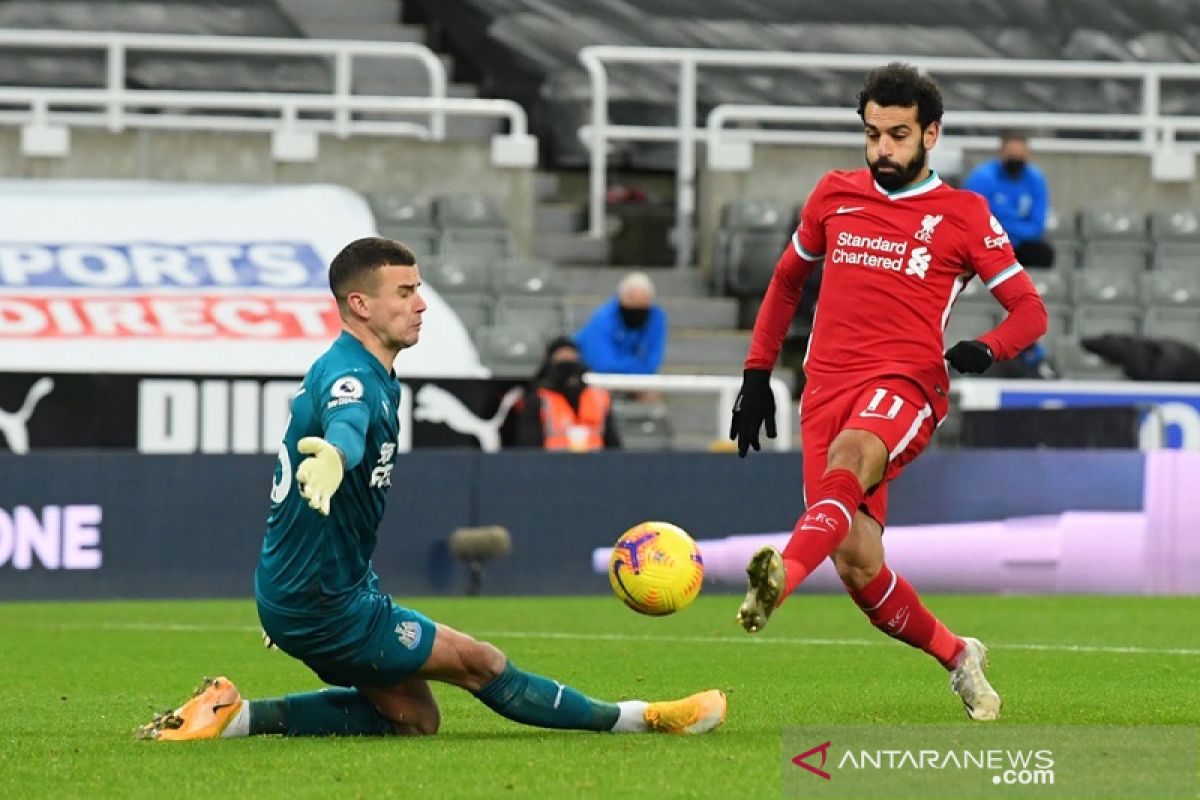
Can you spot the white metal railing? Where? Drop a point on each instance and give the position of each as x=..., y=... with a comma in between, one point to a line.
x=46, y=114
x=1155, y=133
x=724, y=389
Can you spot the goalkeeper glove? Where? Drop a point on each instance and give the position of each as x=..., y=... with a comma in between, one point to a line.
x=755, y=405
x=320, y=474
x=970, y=356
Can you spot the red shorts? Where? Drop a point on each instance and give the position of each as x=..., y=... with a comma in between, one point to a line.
x=892, y=408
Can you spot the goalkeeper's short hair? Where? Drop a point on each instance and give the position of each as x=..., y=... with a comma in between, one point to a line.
x=355, y=265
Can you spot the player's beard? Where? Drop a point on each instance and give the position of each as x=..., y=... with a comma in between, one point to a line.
x=903, y=174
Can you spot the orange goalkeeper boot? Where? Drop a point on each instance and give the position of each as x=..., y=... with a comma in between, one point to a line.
x=204, y=716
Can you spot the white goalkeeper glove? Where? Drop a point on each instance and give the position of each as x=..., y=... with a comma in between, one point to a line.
x=320, y=474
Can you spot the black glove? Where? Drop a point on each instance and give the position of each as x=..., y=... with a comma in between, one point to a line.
x=755, y=405
x=970, y=356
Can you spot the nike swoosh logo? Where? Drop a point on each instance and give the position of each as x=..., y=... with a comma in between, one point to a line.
x=814, y=528
x=848, y=209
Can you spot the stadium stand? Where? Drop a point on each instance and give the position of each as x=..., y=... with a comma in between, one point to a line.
x=156, y=70
x=528, y=50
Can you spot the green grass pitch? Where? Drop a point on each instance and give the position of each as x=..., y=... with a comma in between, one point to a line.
x=75, y=679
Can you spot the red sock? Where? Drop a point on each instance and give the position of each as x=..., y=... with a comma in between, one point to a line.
x=892, y=605
x=822, y=527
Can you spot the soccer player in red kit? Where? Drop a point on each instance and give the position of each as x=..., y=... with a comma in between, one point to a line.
x=899, y=245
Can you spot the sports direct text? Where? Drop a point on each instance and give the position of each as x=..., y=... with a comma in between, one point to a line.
x=154, y=265
x=168, y=316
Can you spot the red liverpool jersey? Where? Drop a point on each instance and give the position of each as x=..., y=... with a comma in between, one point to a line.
x=894, y=264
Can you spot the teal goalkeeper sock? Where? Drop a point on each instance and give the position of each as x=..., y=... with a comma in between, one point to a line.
x=330, y=712
x=533, y=700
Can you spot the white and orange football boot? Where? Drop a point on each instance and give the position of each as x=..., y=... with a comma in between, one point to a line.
x=204, y=716
x=699, y=713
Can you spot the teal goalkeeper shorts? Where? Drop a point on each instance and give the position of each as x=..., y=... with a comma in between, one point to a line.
x=374, y=643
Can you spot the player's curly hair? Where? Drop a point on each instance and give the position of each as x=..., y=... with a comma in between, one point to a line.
x=359, y=259
x=900, y=84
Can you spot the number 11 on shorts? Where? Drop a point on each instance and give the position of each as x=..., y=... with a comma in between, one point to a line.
x=872, y=409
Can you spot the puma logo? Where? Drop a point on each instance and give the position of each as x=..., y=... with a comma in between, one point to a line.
x=435, y=404
x=15, y=424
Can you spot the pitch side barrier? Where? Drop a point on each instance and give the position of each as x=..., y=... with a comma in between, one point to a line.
x=1149, y=131
x=46, y=114
x=105, y=524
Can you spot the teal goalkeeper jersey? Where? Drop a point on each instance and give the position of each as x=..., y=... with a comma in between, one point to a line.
x=311, y=564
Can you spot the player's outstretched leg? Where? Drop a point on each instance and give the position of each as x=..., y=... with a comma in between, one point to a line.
x=971, y=684
x=764, y=589
x=205, y=715
x=217, y=710
x=535, y=700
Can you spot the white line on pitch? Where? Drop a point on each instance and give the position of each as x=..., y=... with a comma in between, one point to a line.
x=170, y=627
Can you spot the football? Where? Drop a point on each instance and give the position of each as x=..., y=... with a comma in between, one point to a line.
x=656, y=568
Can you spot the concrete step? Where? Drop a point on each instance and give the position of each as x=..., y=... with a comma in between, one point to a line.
x=472, y=129
x=359, y=11
x=708, y=313
x=571, y=248
x=668, y=281
x=546, y=186
x=395, y=78
x=333, y=28
x=557, y=218
x=726, y=349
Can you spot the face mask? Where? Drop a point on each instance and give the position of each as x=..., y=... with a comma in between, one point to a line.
x=565, y=374
x=1013, y=167
x=634, y=317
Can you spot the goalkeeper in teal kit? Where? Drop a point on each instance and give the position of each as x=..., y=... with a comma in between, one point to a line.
x=318, y=596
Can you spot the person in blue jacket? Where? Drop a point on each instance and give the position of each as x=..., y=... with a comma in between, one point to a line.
x=1018, y=197
x=628, y=333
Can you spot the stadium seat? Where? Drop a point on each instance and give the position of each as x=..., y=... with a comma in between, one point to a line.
x=1173, y=322
x=1061, y=227
x=1106, y=286
x=758, y=214
x=406, y=218
x=1097, y=320
x=643, y=426
x=1127, y=255
x=1111, y=224
x=1175, y=224
x=1172, y=254
x=1176, y=236
x=1054, y=285
x=1066, y=253
x=1060, y=319
x=1171, y=287
x=482, y=245
x=968, y=322
x=753, y=233
x=545, y=314
x=510, y=350
x=422, y=241
x=451, y=275
x=401, y=208
x=751, y=260
x=475, y=310
x=468, y=210
x=528, y=276
x=1074, y=362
